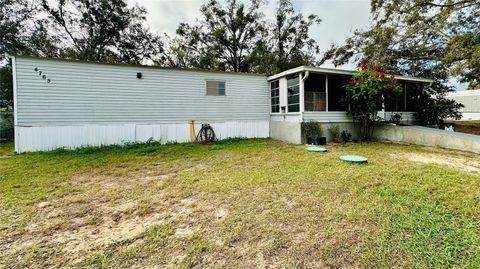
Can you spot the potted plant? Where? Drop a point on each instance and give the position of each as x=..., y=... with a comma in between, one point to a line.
x=345, y=136
x=335, y=132
x=396, y=118
x=313, y=133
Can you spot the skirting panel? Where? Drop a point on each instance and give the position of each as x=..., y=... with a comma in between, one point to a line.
x=44, y=138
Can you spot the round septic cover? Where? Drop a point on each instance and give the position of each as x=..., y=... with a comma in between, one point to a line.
x=353, y=159
x=316, y=149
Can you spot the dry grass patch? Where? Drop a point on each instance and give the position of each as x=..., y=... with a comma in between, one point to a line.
x=464, y=163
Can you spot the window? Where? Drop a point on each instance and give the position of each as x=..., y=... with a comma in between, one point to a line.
x=215, y=87
x=275, y=96
x=293, y=93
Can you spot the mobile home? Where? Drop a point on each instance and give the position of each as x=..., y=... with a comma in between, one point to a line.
x=64, y=103
x=471, y=101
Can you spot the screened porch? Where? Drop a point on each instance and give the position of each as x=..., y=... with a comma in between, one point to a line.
x=318, y=95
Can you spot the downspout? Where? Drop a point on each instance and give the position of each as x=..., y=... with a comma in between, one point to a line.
x=302, y=92
x=307, y=73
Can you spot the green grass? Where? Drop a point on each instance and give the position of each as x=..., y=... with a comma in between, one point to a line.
x=239, y=203
x=6, y=148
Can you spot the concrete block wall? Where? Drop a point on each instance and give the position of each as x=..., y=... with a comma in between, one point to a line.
x=291, y=132
x=428, y=137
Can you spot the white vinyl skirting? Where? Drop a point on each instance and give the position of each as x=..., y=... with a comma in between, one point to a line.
x=44, y=138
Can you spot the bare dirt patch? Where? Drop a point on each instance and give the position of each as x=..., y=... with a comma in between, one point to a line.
x=457, y=162
x=102, y=210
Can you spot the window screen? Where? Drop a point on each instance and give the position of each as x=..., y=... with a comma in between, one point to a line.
x=293, y=93
x=275, y=96
x=396, y=103
x=215, y=87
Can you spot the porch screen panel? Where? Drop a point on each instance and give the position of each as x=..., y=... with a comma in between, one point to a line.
x=336, y=91
x=293, y=93
x=315, y=94
x=413, y=92
x=396, y=103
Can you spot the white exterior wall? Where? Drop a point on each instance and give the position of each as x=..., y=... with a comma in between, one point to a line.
x=89, y=104
x=471, y=100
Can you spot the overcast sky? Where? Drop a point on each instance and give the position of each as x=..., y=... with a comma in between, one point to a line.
x=339, y=17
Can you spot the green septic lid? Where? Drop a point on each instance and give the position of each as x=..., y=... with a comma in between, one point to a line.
x=316, y=149
x=353, y=159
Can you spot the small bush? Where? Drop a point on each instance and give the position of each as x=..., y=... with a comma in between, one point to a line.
x=312, y=129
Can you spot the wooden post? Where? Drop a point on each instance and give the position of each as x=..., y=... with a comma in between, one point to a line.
x=191, y=130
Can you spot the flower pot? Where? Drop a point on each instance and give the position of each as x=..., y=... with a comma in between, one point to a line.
x=336, y=140
x=321, y=140
x=311, y=140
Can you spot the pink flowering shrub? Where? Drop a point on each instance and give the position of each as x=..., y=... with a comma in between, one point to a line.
x=365, y=94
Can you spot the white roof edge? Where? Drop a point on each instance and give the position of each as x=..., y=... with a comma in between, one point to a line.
x=336, y=71
x=287, y=72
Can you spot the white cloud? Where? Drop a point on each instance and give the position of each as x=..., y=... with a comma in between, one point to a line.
x=339, y=19
x=164, y=16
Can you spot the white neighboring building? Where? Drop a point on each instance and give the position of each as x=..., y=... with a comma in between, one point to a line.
x=471, y=100
x=68, y=104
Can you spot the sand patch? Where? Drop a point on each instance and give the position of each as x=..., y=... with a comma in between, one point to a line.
x=457, y=162
x=101, y=210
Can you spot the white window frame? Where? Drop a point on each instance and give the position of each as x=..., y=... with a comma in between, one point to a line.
x=218, y=81
x=277, y=97
x=299, y=95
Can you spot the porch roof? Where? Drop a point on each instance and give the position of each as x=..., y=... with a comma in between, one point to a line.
x=336, y=71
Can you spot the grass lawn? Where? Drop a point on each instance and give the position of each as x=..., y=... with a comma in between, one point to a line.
x=245, y=203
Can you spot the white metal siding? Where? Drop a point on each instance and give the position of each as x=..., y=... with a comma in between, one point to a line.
x=330, y=116
x=88, y=104
x=84, y=93
x=471, y=103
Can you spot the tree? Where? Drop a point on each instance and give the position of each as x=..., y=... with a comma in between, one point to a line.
x=222, y=39
x=188, y=49
x=235, y=37
x=6, y=83
x=419, y=37
x=286, y=43
x=106, y=30
x=435, y=39
x=365, y=95
x=434, y=107
x=21, y=32
x=290, y=36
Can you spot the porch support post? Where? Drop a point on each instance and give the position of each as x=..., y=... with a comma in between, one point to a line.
x=326, y=92
x=302, y=93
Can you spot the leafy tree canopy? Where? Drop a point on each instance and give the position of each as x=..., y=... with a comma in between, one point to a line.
x=235, y=36
x=430, y=38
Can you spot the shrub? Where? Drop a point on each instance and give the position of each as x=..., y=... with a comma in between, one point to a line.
x=345, y=136
x=434, y=107
x=334, y=130
x=312, y=129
